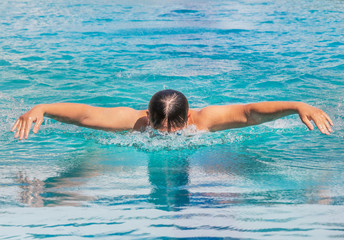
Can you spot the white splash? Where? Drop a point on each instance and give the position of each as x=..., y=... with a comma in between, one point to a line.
x=153, y=140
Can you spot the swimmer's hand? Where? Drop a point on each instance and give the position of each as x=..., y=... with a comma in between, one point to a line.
x=23, y=124
x=309, y=113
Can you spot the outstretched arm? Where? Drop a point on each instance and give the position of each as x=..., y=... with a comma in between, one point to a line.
x=114, y=119
x=214, y=118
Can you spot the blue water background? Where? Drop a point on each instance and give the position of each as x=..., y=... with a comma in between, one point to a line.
x=273, y=181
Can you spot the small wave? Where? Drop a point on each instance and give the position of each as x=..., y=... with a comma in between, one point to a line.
x=32, y=59
x=4, y=63
x=185, y=11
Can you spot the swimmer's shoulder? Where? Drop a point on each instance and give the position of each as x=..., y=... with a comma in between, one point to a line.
x=197, y=119
x=142, y=120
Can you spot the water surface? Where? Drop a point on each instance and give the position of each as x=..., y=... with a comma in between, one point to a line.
x=273, y=181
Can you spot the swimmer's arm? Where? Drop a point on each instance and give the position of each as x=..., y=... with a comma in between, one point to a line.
x=113, y=119
x=215, y=118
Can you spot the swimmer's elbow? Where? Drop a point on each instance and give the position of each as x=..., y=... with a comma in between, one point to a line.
x=85, y=119
x=85, y=122
x=250, y=117
x=92, y=117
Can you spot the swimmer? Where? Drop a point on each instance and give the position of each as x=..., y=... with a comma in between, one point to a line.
x=168, y=110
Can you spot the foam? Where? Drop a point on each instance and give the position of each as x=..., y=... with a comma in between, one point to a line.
x=153, y=140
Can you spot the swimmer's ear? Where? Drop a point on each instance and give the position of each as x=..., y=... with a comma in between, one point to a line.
x=188, y=121
x=147, y=113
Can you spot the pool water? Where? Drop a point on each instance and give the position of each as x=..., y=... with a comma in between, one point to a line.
x=273, y=181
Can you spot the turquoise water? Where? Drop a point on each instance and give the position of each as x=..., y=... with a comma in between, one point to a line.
x=273, y=181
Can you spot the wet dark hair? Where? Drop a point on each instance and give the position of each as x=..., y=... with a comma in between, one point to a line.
x=170, y=106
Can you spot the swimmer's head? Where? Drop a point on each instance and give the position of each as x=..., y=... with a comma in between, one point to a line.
x=168, y=110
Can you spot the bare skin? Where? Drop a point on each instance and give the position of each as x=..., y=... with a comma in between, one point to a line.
x=212, y=118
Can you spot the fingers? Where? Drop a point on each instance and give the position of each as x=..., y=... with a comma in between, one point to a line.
x=323, y=124
x=328, y=125
x=37, y=125
x=15, y=125
x=322, y=127
x=320, y=119
x=28, y=127
x=329, y=129
x=18, y=129
x=328, y=119
x=23, y=127
x=308, y=123
x=22, y=130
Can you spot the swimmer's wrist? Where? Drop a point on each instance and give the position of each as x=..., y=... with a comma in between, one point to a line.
x=41, y=108
x=299, y=106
